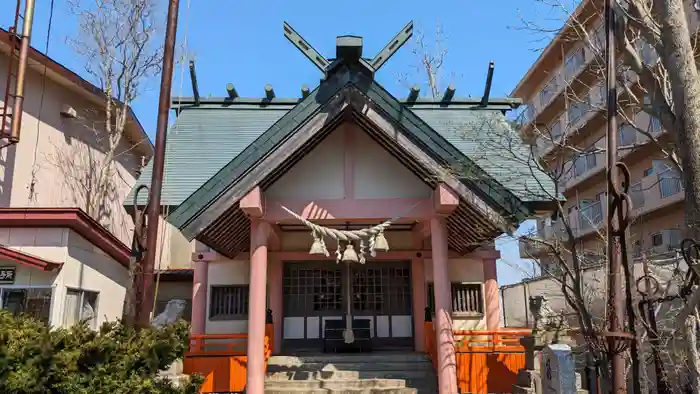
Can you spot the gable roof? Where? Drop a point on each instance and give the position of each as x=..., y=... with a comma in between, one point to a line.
x=189, y=216
x=220, y=129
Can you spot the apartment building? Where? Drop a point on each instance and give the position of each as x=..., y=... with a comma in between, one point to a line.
x=60, y=259
x=564, y=121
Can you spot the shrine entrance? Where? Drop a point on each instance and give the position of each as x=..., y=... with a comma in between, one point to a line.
x=315, y=293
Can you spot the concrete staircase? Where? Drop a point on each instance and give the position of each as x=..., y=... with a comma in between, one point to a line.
x=366, y=373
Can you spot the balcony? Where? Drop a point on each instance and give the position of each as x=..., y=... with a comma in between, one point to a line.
x=546, y=230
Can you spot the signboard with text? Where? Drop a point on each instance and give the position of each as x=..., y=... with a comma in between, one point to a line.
x=7, y=275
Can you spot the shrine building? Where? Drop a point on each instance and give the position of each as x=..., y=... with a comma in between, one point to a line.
x=345, y=204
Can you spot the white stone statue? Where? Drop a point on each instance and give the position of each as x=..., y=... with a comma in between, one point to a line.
x=173, y=311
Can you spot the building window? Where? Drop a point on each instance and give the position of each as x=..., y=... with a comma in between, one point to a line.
x=574, y=62
x=33, y=302
x=80, y=306
x=626, y=135
x=229, y=302
x=467, y=298
x=577, y=110
x=548, y=91
x=657, y=239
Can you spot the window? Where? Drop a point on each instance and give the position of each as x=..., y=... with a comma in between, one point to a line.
x=646, y=52
x=657, y=239
x=34, y=302
x=577, y=110
x=599, y=38
x=574, y=62
x=548, y=91
x=583, y=163
x=626, y=135
x=654, y=124
x=467, y=298
x=555, y=130
x=229, y=302
x=80, y=305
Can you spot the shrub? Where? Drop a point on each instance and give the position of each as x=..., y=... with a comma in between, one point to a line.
x=115, y=359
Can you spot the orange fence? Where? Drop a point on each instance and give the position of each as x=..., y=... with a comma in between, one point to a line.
x=221, y=359
x=487, y=361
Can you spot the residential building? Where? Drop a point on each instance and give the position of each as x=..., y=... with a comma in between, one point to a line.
x=563, y=119
x=245, y=177
x=61, y=260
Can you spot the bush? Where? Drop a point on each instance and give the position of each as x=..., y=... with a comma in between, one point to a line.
x=115, y=359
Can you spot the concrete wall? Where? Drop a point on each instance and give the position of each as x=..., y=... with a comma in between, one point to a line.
x=85, y=267
x=58, y=159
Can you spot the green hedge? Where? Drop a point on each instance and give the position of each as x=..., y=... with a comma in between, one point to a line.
x=115, y=359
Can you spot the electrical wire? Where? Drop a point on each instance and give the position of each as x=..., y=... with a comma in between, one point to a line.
x=32, y=185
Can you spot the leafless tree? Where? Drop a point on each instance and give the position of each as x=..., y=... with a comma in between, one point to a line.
x=659, y=77
x=122, y=48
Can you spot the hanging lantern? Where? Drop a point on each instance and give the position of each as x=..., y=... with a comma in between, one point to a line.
x=380, y=243
x=350, y=256
x=319, y=246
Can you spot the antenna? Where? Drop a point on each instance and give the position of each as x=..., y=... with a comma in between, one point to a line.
x=305, y=48
x=394, y=45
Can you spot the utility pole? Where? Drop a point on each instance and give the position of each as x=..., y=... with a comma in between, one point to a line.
x=616, y=338
x=145, y=298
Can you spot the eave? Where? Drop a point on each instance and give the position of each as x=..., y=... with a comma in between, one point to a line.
x=28, y=259
x=72, y=218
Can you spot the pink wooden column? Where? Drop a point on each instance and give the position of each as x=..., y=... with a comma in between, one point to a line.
x=447, y=362
x=418, y=290
x=200, y=283
x=493, y=308
x=274, y=288
x=259, y=232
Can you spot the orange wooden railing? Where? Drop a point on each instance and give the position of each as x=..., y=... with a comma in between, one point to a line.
x=221, y=359
x=487, y=361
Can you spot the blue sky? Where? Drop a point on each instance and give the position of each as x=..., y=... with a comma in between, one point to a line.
x=241, y=42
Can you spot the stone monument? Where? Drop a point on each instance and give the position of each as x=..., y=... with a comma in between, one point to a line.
x=558, y=370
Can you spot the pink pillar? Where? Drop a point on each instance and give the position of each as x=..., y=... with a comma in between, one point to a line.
x=418, y=289
x=255, y=382
x=274, y=288
x=199, y=297
x=447, y=362
x=493, y=309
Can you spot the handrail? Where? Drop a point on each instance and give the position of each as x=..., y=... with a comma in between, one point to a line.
x=489, y=341
x=226, y=344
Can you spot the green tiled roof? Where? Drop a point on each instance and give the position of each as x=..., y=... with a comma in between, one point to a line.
x=206, y=138
x=487, y=139
x=202, y=141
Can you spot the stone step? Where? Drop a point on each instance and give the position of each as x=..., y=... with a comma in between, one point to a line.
x=353, y=366
x=335, y=384
x=335, y=374
x=403, y=390
x=349, y=358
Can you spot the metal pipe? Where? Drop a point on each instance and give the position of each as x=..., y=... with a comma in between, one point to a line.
x=195, y=86
x=616, y=305
x=662, y=386
x=17, y=108
x=487, y=88
x=146, y=296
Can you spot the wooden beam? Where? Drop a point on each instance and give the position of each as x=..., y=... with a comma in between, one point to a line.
x=349, y=209
x=252, y=203
x=445, y=200
x=275, y=238
x=421, y=231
